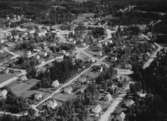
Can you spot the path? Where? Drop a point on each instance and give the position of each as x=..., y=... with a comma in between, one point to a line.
x=46, y=63
x=13, y=114
x=153, y=56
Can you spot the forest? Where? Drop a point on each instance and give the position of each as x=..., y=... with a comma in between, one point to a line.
x=77, y=109
x=153, y=81
x=13, y=104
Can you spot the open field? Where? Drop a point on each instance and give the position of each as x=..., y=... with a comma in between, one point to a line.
x=21, y=87
x=4, y=77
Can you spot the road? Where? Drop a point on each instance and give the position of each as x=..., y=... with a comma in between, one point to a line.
x=9, y=81
x=152, y=57
x=68, y=83
x=13, y=114
x=12, y=53
x=78, y=50
x=13, y=57
x=109, y=35
x=105, y=116
x=46, y=63
x=82, y=50
x=152, y=12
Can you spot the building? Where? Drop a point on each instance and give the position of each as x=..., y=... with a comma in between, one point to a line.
x=68, y=90
x=3, y=94
x=108, y=98
x=52, y=104
x=60, y=58
x=129, y=103
x=141, y=94
x=97, y=110
x=23, y=78
x=38, y=96
x=83, y=79
x=122, y=116
x=55, y=84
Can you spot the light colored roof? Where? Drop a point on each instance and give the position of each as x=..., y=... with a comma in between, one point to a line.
x=97, y=109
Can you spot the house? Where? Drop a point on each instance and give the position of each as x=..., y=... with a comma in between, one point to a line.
x=3, y=94
x=23, y=78
x=108, y=97
x=129, y=103
x=55, y=84
x=2, y=41
x=52, y=104
x=97, y=110
x=83, y=79
x=128, y=66
x=122, y=116
x=101, y=69
x=38, y=96
x=60, y=58
x=114, y=88
x=29, y=53
x=144, y=37
x=68, y=90
x=141, y=94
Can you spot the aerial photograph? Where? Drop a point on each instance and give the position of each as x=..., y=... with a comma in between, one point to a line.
x=83, y=60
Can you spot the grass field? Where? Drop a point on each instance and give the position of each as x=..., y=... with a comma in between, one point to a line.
x=4, y=77
x=20, y=87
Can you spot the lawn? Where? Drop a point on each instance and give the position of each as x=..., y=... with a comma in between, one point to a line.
x=4, y=77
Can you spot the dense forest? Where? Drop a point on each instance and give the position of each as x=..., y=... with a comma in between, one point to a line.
x=154, y=81
x=13, y=104
x=59, y=71
x=36, y=10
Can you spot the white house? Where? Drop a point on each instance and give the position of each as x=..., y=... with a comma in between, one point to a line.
x=108, y=97
x=38, y=96
x=122, y=116
x=3, y=94
x=52, y=104
x=23, y=78
x=68, y=90
x=97, y=110
x=55, y=84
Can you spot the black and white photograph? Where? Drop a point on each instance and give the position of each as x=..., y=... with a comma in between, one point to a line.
x=83, y=60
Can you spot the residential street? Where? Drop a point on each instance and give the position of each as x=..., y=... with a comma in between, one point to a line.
x=69, y=82
x=152, y=57
x=105, y=116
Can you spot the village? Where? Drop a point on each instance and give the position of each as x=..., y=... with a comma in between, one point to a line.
x=86, y=63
